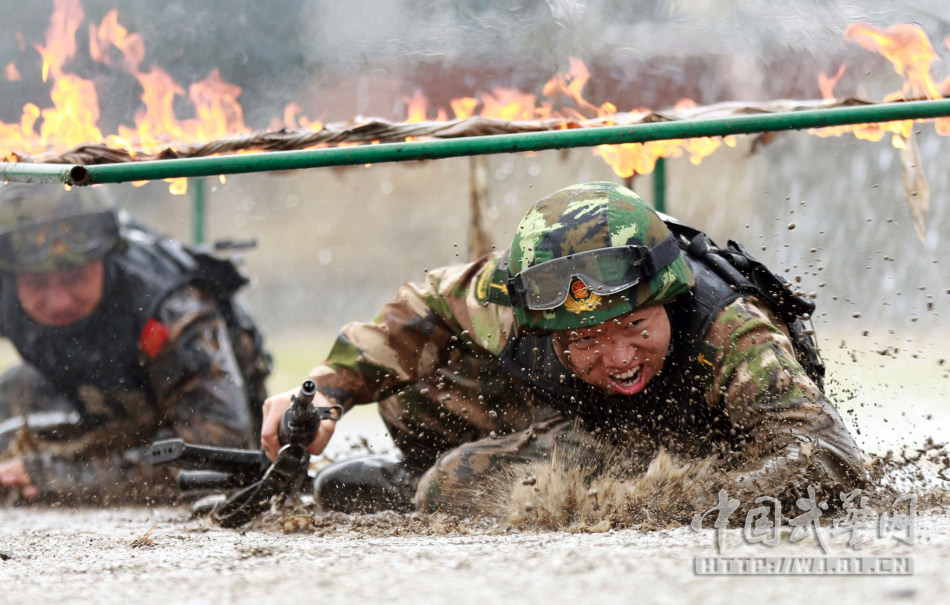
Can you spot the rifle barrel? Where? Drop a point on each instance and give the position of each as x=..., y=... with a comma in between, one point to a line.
x=189, y=456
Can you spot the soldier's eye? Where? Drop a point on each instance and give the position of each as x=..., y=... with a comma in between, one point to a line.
x=584, y=342
x=34, y=282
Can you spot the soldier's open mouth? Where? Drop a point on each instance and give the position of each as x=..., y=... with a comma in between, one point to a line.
x=628, y=382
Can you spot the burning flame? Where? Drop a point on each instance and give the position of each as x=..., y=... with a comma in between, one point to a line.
x=11, y=73
x=73, y=118
x=563, y=98
x=908, y=49
x=61, y=36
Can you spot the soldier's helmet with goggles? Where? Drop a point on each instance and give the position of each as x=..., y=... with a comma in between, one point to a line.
x=589, y=253
x=46, y=228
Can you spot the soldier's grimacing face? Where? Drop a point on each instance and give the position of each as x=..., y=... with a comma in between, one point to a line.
x=61, y=298
x=621, y=355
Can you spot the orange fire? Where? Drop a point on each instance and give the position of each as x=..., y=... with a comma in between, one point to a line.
x=563, y=98
x=73, y=118
x=908, y=49
x=75, y=113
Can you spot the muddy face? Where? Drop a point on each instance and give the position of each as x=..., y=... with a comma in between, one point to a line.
x=61, y=298
x=620, y=356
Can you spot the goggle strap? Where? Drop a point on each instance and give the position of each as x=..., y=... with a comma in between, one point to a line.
x=660, y=256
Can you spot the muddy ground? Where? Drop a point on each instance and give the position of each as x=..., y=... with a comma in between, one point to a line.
x=161, y=555
x=164, y=555
x=297, y=553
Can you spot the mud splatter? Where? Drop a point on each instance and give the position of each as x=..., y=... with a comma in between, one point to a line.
x=596, y=487
x=599, y=487
x=580, y=494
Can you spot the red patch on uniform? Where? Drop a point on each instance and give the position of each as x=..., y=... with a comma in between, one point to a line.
x=579, y=290
x=153, y=337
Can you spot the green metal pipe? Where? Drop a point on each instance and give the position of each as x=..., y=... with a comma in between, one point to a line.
x=467, y=146
x=659, y=185
x=198, y=211
x=22, y=172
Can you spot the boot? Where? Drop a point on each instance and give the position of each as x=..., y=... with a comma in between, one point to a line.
x=366, y=484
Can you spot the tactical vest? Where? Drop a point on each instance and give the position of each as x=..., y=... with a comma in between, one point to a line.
x=103, y=350
x=677, y=393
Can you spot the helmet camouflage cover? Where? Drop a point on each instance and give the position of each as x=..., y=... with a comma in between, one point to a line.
x=585, y=217
x=45, y=228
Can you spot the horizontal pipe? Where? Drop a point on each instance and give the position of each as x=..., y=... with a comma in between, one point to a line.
x=22, y=172
x=481, y=145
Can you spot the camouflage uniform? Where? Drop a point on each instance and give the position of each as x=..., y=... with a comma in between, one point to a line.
x=439, y=359
x=168, y=352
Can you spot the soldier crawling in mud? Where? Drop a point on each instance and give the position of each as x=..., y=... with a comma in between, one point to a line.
x=126, y=336
x=602, y=319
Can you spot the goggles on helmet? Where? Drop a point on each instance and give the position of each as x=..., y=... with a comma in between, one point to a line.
x=82, y=233
x=604, y=271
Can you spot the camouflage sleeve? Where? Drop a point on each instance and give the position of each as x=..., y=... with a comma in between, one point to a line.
x=195, y=374
x=411, y=337
x=784, y=424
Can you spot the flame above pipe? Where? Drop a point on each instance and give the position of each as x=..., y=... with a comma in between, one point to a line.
x=74, y=116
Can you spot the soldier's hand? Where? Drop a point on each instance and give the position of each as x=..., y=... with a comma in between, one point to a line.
x=13, y=474
x=274, y=409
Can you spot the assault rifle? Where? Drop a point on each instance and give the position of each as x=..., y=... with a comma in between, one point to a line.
x=254, y=479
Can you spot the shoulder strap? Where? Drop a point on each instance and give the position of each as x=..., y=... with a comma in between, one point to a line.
x=746, y=275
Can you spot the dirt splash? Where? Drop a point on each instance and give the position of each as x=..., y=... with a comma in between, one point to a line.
x=580, y=493
x=596, y=488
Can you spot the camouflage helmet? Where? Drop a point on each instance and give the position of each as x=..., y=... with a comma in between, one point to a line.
x=589, y=253
x=45, y=228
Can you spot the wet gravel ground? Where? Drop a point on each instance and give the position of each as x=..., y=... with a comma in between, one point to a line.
x=162, y=555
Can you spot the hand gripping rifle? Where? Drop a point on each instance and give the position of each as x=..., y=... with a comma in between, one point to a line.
x=250, y=472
